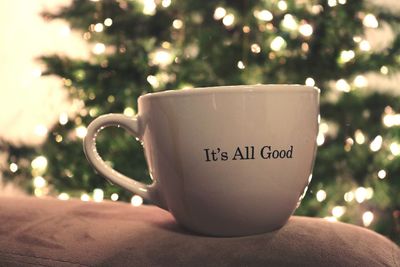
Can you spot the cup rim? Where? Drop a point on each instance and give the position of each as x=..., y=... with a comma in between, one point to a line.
x=234, y=89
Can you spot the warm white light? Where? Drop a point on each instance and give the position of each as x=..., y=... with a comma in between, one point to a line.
x=391, y=120
x=320, y=139
x=360, y=194
x=384, y=70
x=370, y=193
x=359, y=136
x=376, y=144
x=166, y=3
x=332, y=3
x=306, y=30
x=365, y=45
x=370, y=21
x=282, y=5
x=382, y=174
x=219, y=13
x=63, y=118
x=41, y=130
x=228, y=20
x=65, y=31
x=349, y=196
x=346, y=55
x=153, y=81
x=310, y=81
x=39, y=182
x=13, y=167
x=367, y=218
x=342, y=2
x=81, y=131
x=39, y=163
x=289, y=22
x=321, y=195
x=255, y=48
x=395, y=148
x=108, y=22
x=63, y=196
x=98, y=195
x=278, y=43
x=161, y=57
x=149, y=7
x=240, y=65
x=99, y=48
x=360, y=81
x=85, y=197
x=323, y=127
x=177, y=24
x=136, y=200
x=98, y=27
x=37, y=72
x=114, y=196
x=338, y=211
x=128, y=111
x=263, y=15
x=343, y=85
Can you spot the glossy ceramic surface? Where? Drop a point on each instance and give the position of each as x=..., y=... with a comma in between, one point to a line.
x=225, y=161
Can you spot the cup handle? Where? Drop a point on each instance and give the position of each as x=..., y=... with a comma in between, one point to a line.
x=132, y=125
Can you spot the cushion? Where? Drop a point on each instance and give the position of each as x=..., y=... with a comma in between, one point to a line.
x=50, y=232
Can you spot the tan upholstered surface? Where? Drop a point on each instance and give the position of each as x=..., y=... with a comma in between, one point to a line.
x=48, y=232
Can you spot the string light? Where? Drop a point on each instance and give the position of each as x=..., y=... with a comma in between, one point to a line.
x=359, y=136
x=136, y=201
x=228, y=20
x=39, y=182
x=320, y=139
x=98, y=27
x=63, y=196
x=343, y=85
x=161, y=57
x=338, y=211
x=240, y=65
x=81, y=131
x=166, y=3
x=342, y=2
x=395, y=148
x=128, y=111
x=85, y=197
x=390, y=120
x=360, y=81
x=177, y=24
x=332, y=3
x=306, y=30
x=376, y=144
x=39, y=163
x=149, y=7
x=255, y=48
x=365, y=45
x=310, y=81
x=153, y=81
x=349, y=196
x=13, y=167
x=263, y=15
x=282, y=5
x=346, y=56
x=321, y=195
x=41, y=130
x=289, y=22
x=219, y=13
x=370, y=21
x=114, y=196
x=99, y=48
x=381, y=174
x=360, y=194
x=98, y=195
x=58, y=138
x=63, y=118
x=384, y=70
x=246, y=29
x=278, y=43
x=367, y=218
x=108, y=22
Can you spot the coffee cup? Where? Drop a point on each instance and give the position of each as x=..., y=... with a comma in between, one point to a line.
x=225, y=161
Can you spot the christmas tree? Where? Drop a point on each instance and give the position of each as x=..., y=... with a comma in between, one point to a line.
x=151, y=45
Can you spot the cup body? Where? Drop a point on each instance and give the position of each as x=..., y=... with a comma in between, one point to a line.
x=233, y=160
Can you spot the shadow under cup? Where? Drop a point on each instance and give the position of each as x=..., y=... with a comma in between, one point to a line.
x=229, y=161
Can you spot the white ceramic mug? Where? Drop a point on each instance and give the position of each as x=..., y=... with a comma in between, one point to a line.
x=225, y=161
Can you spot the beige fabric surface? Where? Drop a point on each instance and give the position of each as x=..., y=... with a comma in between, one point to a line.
x=49, y=232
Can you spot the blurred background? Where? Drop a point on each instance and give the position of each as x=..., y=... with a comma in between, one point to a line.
x=66, y=62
